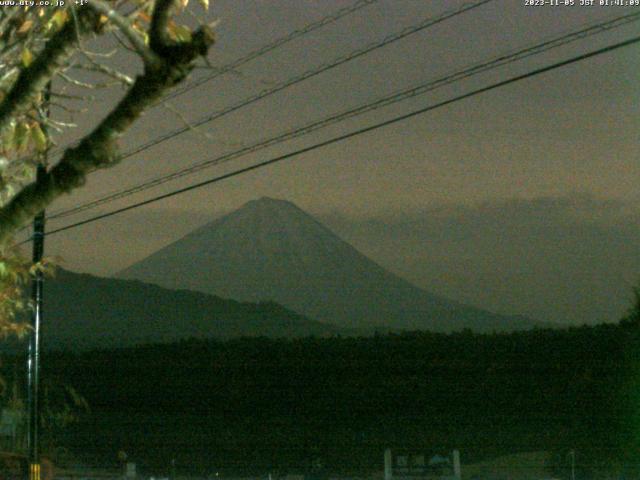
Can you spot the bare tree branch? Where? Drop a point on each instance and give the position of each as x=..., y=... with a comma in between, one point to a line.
x=68, y=109
x=67, y=96
x=108, y=71
x=125, y=26
x=122, y=43
x=185, y=121
x=87, y=85
x=99, y=148
x=158, y=36
x=34, y=78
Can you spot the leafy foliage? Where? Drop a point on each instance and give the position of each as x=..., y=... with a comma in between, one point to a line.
x=45, y=64
x=61, y=406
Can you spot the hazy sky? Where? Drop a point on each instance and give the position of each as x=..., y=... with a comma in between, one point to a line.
x=521, y=200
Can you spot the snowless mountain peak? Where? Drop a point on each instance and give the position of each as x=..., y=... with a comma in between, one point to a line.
x=275, y=209
x=269, y=249
x=269, y=201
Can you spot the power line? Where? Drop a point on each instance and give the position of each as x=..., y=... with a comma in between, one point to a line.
x=343, y=12
x=239, y=62
x=467, y=72
x=425, y=24
x=354, y=133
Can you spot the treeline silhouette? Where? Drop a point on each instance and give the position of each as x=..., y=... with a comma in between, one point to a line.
x=280, y=405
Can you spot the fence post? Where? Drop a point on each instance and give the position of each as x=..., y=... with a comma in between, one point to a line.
x=457, y=473
x=388, y=465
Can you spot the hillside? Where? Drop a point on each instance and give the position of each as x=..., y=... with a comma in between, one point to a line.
x=84, y=311
x=272, y=250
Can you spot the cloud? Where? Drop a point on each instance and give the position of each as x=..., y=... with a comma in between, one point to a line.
x=569, y=259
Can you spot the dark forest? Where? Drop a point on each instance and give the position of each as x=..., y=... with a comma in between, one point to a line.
x=280, y=405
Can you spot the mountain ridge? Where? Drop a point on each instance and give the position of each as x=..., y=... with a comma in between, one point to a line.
x=272, y=249
x=83, y=311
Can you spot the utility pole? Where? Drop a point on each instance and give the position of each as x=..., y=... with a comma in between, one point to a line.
x=37, y=291
x=33, y=365
x=573, y=464
x=572, y=454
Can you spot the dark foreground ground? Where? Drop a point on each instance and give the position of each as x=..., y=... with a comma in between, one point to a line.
x=250, y=406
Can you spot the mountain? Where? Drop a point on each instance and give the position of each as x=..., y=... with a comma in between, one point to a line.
x=272, y=250
x=83, y=311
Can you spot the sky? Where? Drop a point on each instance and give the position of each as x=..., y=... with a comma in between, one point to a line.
x=520, y=200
